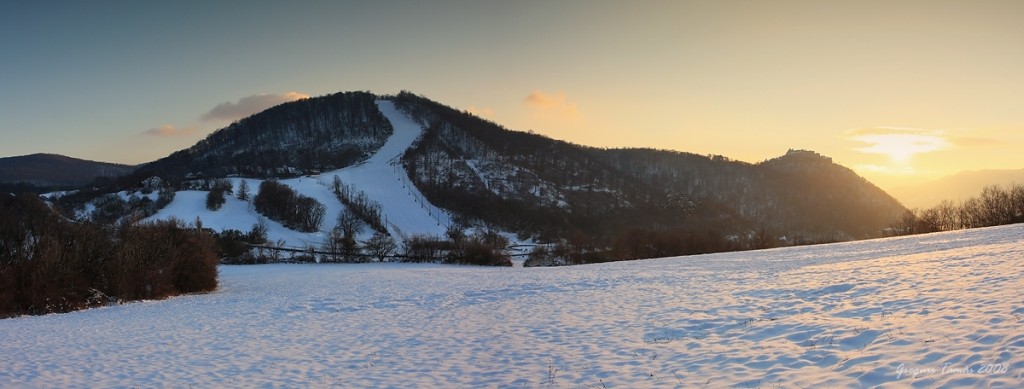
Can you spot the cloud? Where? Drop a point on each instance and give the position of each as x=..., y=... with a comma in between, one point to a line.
x=168, y=130
x=899, y=143
x=975, y=142
x=231, y=111
x=486, y=113
x=885, y=169
x=553, y=103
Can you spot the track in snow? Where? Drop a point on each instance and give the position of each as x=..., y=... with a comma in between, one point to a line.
x=382, y=177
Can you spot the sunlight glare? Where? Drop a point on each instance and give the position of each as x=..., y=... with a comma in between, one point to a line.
x=901, y=147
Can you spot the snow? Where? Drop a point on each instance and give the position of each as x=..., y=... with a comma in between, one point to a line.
x=382, y=177
x=235, y=214
x=939, y=310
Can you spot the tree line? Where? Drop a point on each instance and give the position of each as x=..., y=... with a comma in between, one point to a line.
x=359, y=204
x=994, y=206
x=281, y=203
x=51, y=264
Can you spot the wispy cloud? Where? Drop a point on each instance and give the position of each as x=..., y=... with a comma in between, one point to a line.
x=486, y=113
x=230, y=111
x=553, y=103
x=168, y=130
x=899, y=143
x=967, y=141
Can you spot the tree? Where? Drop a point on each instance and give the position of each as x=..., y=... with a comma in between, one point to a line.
x=762, y=239
x=258, y=233
x=349, y=223
x=907, y=222
x=243, y=190
x=309, y=213
x=340, y=248
x=1017, y=199
x=381, y=246
x=215, y=199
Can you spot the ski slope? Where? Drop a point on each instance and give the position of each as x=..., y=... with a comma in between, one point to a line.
x=382, y=177
x=940, y=310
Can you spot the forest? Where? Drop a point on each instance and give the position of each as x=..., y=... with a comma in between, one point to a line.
x=50, y=264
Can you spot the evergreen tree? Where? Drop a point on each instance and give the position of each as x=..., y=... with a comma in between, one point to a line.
x=243, y=190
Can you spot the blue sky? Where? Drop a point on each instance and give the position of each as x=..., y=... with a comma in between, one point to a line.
x=897, y=90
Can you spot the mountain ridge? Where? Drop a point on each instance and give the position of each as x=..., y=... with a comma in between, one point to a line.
x=598, y=182
x=55, y=170
x=486, y=176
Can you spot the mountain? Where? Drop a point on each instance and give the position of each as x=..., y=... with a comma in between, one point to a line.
x=527, y=182
x=52, y=170
x=303, y=136
x=956, y=187
x=418, y=167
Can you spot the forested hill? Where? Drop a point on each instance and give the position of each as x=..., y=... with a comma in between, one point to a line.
x=656, y=202
x=299, y=137
x=527, y=182
x=52, y=170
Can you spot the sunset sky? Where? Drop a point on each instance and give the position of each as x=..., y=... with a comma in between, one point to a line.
x=900, y=91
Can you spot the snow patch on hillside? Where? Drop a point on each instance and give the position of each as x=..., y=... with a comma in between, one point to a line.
x=382, y=177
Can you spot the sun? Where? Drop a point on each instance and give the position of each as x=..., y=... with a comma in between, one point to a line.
x=900, y=145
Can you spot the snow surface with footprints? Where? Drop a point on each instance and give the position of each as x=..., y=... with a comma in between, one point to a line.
x=940, y=310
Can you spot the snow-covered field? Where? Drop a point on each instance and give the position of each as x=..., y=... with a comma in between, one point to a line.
x=942, y=310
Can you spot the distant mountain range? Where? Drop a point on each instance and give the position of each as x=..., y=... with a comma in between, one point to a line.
x=52, y=170
x=956, y=187
x=483, y=174
x=537, y=186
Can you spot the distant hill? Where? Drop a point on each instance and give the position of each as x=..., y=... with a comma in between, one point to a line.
x=52, y=170
x=527, y=182
x=956, y=187
x=469, y=172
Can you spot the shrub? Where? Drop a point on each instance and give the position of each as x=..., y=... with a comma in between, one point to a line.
x=422, y=248
x=485, y=248
x=541, y=256
x=162, y=259
x=215, y=199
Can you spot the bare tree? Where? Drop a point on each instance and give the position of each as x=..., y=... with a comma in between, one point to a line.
x=907, y=222
x=349, y=223
x=381, y=246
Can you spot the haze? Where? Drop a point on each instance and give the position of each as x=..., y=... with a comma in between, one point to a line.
x=901, y=92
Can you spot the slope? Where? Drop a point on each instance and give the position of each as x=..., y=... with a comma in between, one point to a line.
x=384, y=179
x=530, y=184
x=380, y=177
x=939, y=310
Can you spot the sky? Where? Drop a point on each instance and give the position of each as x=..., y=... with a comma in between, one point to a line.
x=899, y=91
